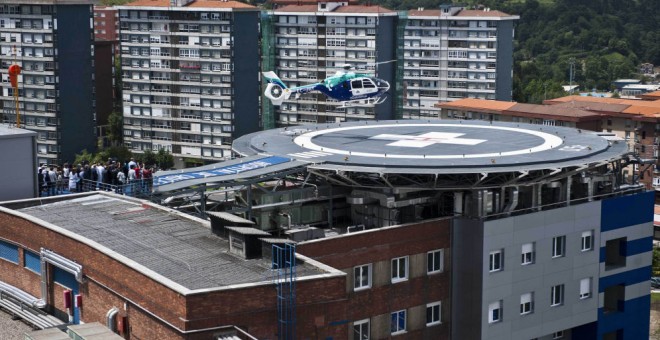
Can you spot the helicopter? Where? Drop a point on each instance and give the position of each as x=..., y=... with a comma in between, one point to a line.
x=345, y=86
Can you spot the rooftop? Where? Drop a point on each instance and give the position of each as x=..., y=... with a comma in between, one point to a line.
x=7, y=131
x=213, y=4
x=493, y=105
x=431, y=146
x=175, y=249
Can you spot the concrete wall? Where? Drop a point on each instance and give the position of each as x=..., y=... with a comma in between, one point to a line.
x=515, y=279
x=19, y=166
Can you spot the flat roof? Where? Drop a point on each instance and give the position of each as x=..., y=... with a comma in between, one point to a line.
x=432, y=146
x=177, y=250
x=8, y=131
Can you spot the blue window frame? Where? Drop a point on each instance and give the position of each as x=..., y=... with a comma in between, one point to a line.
x=32, y=261
x=9, y=252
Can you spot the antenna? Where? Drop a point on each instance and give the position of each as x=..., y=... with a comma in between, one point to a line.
x=571, y=71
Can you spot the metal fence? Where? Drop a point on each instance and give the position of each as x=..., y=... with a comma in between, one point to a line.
x=136, y=188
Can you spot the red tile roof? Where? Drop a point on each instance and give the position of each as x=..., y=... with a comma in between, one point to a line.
x=470, y=103
x=552, y=111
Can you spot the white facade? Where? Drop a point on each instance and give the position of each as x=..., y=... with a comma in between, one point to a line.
x=449, y=54
x=314, y=43
x=178, y=82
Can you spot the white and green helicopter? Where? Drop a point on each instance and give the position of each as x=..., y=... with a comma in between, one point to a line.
x=345, y=86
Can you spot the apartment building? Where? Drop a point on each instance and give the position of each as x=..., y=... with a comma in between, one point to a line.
x=187, y=88
x=53, y=43
x=305, y=43
x=451, y=53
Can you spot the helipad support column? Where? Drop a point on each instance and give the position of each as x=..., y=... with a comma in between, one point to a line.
x=569, y=182
x=458, y=203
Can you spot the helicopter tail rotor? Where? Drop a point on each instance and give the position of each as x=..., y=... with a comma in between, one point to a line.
x=276, y=90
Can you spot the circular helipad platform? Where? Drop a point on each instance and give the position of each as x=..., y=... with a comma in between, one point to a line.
x=431, y=145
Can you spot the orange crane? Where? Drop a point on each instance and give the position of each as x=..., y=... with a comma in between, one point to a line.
x=14, y=71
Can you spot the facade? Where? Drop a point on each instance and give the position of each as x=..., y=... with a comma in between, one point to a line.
x=453, y=53
x=416, y=229
x=186, y=88
x=19, y=154
x=56, y=85
x=305, y=43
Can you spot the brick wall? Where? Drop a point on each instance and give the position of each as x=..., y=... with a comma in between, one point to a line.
x=378, y=247
x=109, y=283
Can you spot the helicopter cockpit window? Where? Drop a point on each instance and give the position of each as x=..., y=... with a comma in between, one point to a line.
x=356, y=84
x=368, y=83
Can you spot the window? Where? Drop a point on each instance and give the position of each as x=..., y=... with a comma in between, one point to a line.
x=557, y=295
x=433, y=314
x=526, y=303
x=8, y=252
x=434, y=261
x=615, y=253
x=558, y=246
x=495, y=312
x=362, y=277
x=527, y=253
x=361, y=330
x=399, y=269
x=32, y=261
x=585, y=288
x=558, y=335
x=495, y=263
x=587, y=240
x=398, y=324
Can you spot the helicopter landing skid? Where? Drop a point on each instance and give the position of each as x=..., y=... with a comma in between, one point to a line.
x=363, y=102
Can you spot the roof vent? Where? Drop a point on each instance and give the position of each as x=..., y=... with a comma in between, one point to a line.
x=245, y=241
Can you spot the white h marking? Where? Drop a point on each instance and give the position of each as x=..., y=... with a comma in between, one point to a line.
x=428, y=139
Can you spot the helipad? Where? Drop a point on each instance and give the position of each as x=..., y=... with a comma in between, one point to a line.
x=424, y=146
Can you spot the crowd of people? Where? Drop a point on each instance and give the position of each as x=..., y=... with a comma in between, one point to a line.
x=127, y=178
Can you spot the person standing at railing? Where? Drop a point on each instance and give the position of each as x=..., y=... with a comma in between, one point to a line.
x=146, y=179
x=52, y=181
x=100, y=169
x=121, y=180
x=131, y=180
x=73, y=181
x=66, y=173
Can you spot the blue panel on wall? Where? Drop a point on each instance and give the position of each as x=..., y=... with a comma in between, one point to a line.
x=634, y=321
x=8, y=251
x=32, y=261
x=625, y=211
x=626, y=278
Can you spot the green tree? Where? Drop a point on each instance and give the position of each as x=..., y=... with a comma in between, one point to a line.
x=164, y=159
x=149, y=158
x=656, y=261
x=115, y=128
